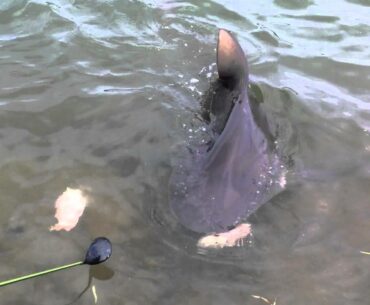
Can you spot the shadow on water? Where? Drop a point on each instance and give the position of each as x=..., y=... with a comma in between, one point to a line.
x=99, y=272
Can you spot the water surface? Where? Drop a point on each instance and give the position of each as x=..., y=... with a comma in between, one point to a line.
x=105, y=95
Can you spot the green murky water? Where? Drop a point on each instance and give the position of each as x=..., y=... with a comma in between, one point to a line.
x=101, y=95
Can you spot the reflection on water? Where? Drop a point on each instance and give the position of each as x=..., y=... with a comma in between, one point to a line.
x=105, y=94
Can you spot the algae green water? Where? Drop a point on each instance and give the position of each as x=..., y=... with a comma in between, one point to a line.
x=103, y=95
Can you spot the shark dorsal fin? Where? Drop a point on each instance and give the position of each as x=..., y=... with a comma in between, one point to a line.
x=231, y=62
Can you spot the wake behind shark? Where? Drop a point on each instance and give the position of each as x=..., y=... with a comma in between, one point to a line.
x=218, y=189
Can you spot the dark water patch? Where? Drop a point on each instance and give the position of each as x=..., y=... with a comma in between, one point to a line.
x=294, y=4
x=279, y=217
x=266, y=36
x=315, y=18
x=360, y=2
x=125, y=166
x=353, y=48
x=340, y=73
x=204, y=9
x=328, y=35
x=358, y=30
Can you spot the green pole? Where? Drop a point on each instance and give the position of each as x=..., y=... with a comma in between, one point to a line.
x=29, y=276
